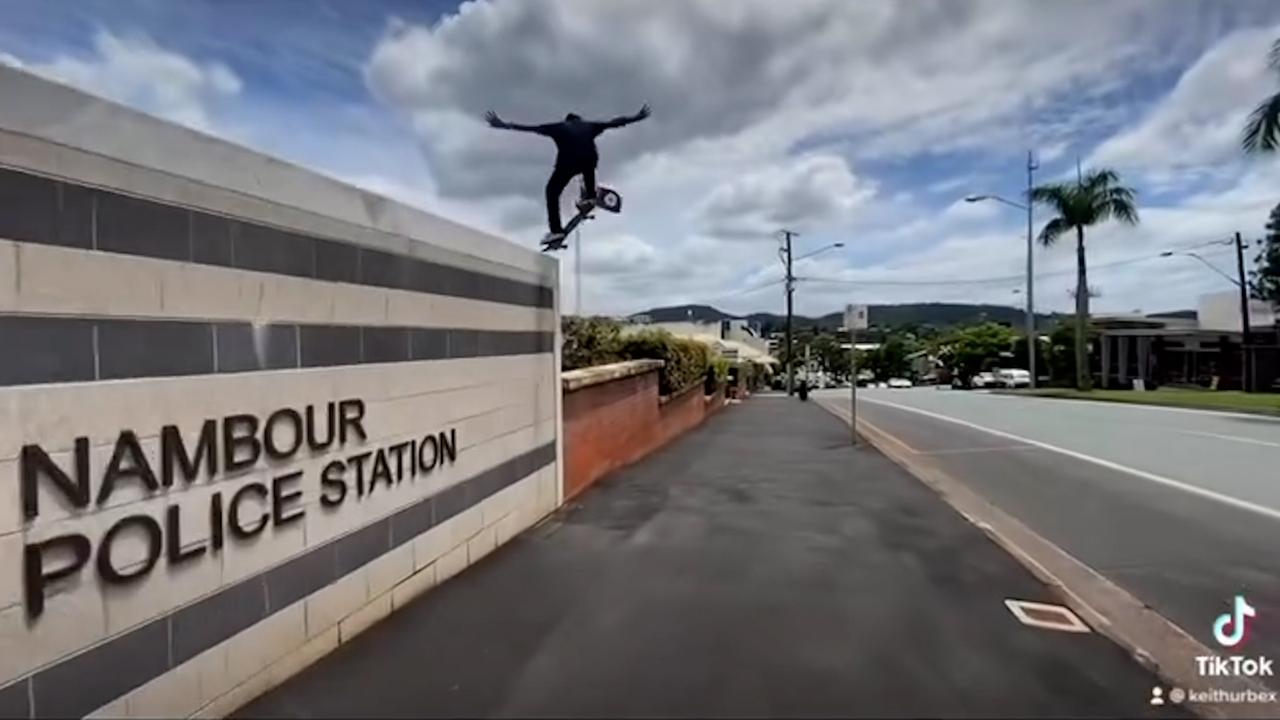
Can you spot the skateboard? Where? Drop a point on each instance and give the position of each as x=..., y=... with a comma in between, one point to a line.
x=606, y=199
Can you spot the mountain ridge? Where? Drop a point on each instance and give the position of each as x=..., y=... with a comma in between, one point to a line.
x=889, y=315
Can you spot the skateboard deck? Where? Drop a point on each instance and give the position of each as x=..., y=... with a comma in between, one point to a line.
x=606, y=199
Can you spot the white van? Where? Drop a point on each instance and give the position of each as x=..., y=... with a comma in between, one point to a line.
x=1012, y=378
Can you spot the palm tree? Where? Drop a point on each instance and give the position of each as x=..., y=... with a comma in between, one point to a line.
x=1094, y=198
x=1262, y=132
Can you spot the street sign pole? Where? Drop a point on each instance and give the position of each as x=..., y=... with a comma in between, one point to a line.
x=853, y=386
x=855, y=318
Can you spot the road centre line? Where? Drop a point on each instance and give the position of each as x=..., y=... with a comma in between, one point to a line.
x=1233, y=438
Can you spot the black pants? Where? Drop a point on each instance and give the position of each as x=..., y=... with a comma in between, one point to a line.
x=556, y=184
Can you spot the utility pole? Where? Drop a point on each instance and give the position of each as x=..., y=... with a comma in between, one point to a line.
x=853, y=376
x=577, y=271
x=791, y=283
x=1033, y=343
x=1246, y=341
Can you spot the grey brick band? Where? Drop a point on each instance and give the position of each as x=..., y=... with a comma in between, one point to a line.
x=40, y=210
x=85, y=682
x=48, y=349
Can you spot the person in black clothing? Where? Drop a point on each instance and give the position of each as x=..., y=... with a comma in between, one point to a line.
x=576, y=154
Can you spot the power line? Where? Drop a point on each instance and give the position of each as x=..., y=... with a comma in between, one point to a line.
x=754, y=288
x=1003, y=278
x=969, y=281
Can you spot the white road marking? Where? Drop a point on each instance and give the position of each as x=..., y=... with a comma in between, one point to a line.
x=964, y=451
x=1235, y=502
x=1234, y=438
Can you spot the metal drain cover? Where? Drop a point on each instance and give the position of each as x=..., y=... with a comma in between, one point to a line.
x=1048, y=617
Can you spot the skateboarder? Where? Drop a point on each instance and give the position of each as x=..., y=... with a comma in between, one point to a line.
x=576, y=154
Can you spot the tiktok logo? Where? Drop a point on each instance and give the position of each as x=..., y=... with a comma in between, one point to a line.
x=1235, y=620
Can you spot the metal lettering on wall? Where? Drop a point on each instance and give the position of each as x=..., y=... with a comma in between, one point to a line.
x=233, y=444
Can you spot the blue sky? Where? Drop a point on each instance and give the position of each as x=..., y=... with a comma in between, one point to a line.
x=861, y=123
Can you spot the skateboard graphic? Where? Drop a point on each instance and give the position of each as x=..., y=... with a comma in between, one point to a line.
x=606, y=199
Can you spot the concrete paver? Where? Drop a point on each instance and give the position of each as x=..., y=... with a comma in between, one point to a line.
x=758, y=566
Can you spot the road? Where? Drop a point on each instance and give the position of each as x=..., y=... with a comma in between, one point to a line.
x=1180, y=508
x=756, y=567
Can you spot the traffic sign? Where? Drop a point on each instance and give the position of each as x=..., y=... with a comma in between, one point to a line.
x=855, y=317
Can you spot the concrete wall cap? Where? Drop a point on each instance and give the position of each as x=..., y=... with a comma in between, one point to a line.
x=586, y=377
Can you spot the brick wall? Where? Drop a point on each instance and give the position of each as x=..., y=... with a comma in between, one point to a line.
x=614, y=423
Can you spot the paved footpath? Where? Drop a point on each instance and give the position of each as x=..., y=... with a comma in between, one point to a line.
x=758, y=566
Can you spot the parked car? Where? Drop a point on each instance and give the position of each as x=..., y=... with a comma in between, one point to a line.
x=1012, y=378
x=979, y=381
x=899, y=383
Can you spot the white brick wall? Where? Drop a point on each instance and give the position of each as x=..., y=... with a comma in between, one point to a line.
x=425, y=393
x=57, y=280
x=501, y=407
x=170, y=695
x=413, y=586
x=326, y=607
x=100, y=612
x=8, y=274
x=65, y=281
x=360, y=620
x=387, y=571
x=11, y=569
x=72, y=620
x=109, y=145
x=219, y=680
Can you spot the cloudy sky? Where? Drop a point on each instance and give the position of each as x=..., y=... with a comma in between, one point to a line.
x=864, y=123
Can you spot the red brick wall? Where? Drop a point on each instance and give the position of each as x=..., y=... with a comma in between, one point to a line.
x=613, y=424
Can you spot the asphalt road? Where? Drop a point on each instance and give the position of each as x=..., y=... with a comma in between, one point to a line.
x=757, y=567
x=1180, y=508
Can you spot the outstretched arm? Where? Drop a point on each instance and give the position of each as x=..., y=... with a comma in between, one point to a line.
x=627, y=119
x=497, y=122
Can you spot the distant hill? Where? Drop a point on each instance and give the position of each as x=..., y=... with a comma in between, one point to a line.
x=938, y=315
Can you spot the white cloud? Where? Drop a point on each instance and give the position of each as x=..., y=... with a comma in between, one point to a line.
x=1199, y=122
x=799, y=193
x=136, y=71
x=915, y=76
x=10, y=60
x=1125, y=263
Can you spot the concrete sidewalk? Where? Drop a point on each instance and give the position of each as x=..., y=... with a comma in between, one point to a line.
x=759, y=566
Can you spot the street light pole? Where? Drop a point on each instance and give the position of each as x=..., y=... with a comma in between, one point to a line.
x=1246, y=349
x=1029, y=209
x=788, y=261
x=791, y=282
x=1242, y=283
x=1032, y=341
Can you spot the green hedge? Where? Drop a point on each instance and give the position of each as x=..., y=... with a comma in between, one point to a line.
x=599, y=341
x=721, y=366
x=686, y=361
x=589, y=342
